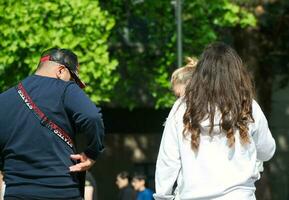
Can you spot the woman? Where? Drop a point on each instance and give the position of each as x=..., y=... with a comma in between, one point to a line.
x=215, y=134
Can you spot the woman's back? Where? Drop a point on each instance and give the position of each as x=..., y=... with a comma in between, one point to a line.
x=216, y=170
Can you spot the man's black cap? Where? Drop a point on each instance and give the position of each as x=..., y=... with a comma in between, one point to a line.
x=64, y=57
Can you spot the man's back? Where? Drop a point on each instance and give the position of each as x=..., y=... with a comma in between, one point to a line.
x=37, y=161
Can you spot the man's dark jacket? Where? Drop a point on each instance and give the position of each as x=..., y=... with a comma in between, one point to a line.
x=36, y=161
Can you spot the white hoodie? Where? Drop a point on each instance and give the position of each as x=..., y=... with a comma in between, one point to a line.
x=217, y=171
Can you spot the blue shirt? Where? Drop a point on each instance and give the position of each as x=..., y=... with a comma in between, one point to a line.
x=147, y=194
x=36, y=161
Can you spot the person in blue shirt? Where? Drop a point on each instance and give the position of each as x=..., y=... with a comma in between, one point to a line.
x=37, y=163
x=139, y=184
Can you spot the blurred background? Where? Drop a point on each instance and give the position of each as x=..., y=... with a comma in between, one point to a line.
x=128, y=50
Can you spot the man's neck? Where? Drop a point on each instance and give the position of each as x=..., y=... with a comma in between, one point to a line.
x=44, y=73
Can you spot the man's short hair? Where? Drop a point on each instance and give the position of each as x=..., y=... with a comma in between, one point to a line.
x=124, y=175
x=139, y=176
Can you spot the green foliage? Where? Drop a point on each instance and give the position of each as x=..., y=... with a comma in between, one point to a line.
x=275, y=29
x=232, y=15
x=29, y=27
x=144, y=43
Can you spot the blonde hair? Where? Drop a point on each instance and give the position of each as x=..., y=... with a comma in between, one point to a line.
x=183, y=74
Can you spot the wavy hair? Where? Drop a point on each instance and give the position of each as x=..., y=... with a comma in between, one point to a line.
x=220, y=82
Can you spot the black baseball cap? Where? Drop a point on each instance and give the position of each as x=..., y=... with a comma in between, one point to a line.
x=66, y=58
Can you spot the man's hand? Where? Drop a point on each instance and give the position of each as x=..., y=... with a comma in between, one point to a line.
x=85, y=163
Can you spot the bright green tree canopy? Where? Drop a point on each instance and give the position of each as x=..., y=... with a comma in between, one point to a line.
x=29, y=27
x=140, y=35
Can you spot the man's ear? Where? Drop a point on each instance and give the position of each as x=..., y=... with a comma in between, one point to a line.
x=59, y=71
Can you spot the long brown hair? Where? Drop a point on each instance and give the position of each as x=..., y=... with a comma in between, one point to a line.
x=220, y=82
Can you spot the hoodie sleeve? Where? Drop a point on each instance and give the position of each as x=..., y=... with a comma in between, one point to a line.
x=168, y=161
x=86, y=118
x=265, y=143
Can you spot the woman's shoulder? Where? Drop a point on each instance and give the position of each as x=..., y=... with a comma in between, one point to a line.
x=256, y=109
x=178, y=108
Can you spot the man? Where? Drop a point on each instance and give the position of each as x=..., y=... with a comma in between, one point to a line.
x=138, y=183
x=39, y=120
x=125, y=190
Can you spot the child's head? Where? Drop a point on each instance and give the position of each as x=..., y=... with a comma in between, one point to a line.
x=181, y=76
x=138, y=182
x=122, y=179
